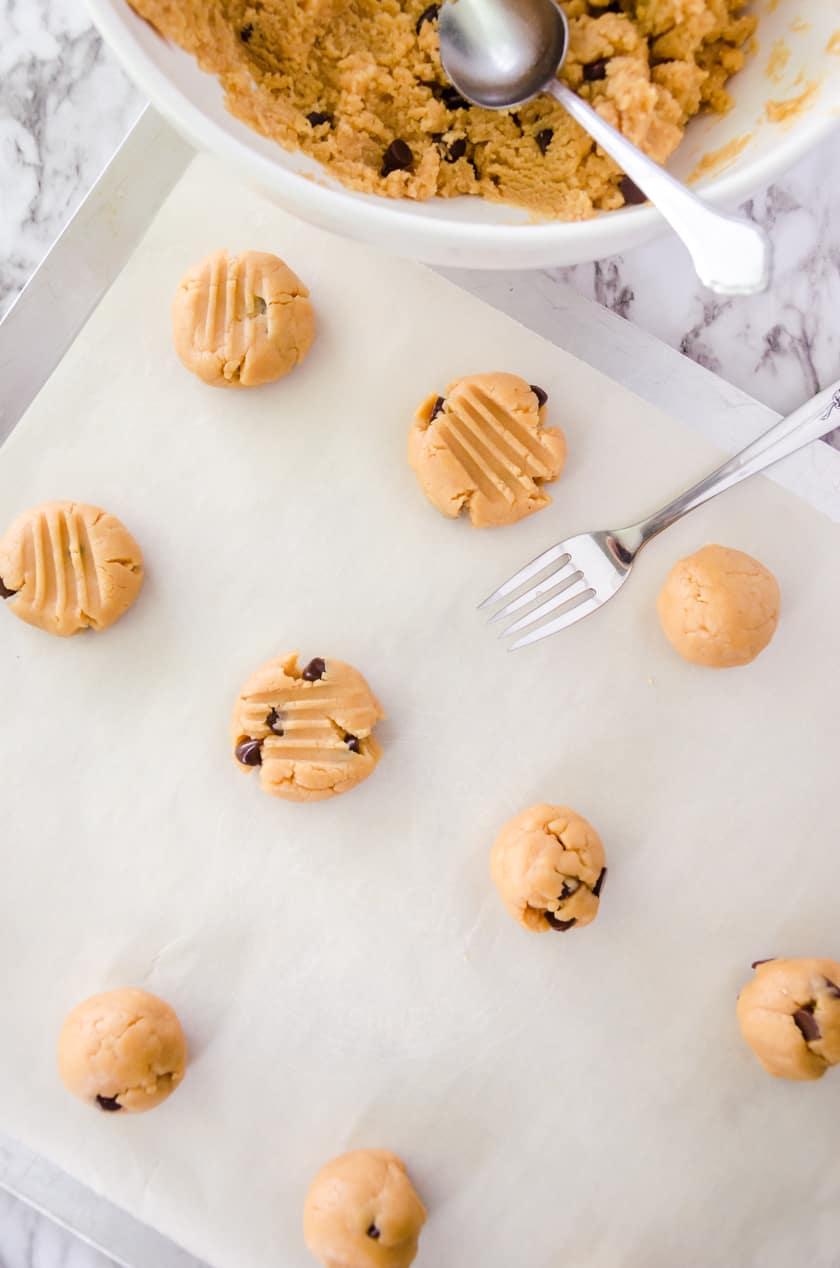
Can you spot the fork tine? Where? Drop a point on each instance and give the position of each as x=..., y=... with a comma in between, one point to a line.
x=576, y=613
x=550, y=556
x=575, y=591
x=568, y=572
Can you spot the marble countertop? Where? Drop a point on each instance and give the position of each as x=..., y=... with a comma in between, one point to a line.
x=65, y=107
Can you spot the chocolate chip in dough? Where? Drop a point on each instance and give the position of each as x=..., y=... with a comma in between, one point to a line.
x=756, y=963
x=599, y=884
x=108, y=1103
x=317, y=117
x=544, y=138
x=436, y=408
x=314, y=670
x=428, y=15
x=374, y=1232
x=594, y=71
x=831, y=988
x=274, y=722
x=807, y=1024
x=540, y=393
x=452, y=99
x=249, y=752
x=246, y=32
x=630, y=192
x=352, y=742
x=456, y=150
x=397, y=157
x=5, y=592
x=562, y=925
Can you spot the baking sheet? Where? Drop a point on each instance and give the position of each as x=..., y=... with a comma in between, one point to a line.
x=345, y=972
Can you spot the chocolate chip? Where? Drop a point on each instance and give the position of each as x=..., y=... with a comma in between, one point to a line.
x=769, y=960
x=593, y=71
x=352, y=742
x=436, y=408
x=630, y=192
x=569, y=887
x=314, y=670
x=317, y=117
x=831, y=988
x=544, y=139
x=456, y=149
x=599, y=884
x=562, y=925
x=108, y=1103
x=5, y=592
x=249, y=752
x=374, y=1232
x=397, y=157
x=274, y=722
x=540, y=393
x=452, y=99
x=516, y=119
x=428, y=15
x=246, y=32
x=807, y=1023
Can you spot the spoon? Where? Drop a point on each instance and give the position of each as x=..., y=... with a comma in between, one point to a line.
x=501, y=53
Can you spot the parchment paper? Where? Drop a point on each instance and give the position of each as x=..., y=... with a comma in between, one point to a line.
x=345, y=971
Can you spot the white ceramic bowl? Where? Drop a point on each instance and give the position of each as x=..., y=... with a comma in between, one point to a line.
x=471, y=233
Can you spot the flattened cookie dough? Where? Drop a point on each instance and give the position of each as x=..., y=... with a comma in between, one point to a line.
x=361, y=1211
x=67, y=566
x=549, y=867
x=719, y=607
x=242, y=320
x=360, y=87
x=308, y=730
x=122, y=1051
x=483, y=448
x=789, y=1014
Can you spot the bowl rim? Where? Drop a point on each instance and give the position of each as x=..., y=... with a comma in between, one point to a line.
x=329, y=206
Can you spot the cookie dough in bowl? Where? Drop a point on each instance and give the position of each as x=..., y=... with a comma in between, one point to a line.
x=362, y=1211
x=719, y=607
x=241, y=320
x=483, y=448
x=549, y=867
x=789, y=1014
x=122, y=1051
x=359, y=87
x=67, y=567
x=307, y=730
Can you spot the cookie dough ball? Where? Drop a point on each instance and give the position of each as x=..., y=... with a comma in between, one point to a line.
x=67, y=566
x=242, y=320
x=483, y=449
x=309, y=730
x=361, y=1211
x=719, y=607
x=789, y=1014
x=122, y=1051
x=548, y=864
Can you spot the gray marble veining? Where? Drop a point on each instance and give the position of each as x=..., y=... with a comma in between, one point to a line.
x=29, y=1240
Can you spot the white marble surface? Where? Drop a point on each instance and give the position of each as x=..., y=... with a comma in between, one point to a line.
x=64, y=107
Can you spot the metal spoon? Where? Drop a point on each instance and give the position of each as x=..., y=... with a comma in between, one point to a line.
x=501, y=53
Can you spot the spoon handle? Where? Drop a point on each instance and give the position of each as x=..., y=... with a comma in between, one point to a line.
x=731, y=254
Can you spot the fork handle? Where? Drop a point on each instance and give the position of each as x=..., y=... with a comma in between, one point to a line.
x=810, y=422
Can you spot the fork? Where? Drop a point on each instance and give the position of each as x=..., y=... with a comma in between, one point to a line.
x=581, y=574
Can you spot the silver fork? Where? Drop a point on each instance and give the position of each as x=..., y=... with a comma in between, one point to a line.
x=581, y=574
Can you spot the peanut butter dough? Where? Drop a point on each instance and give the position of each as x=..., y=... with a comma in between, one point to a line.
x=361, y=1211
x=241, y=320
x=67, y=566
x=719, y=607
x=308, y=730
x=358, y=85
x=549, y=867
x=124, y=1050
x=789, y=1014
x=483, y=448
